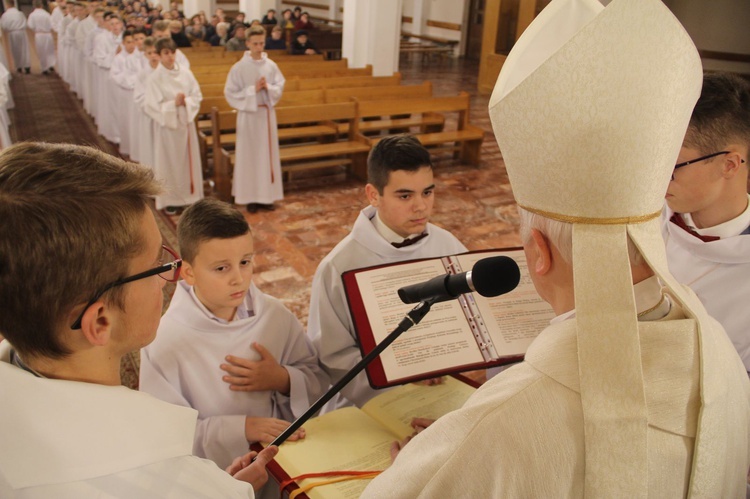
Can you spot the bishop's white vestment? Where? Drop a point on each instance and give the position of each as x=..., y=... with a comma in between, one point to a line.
x=40, y=22
x=330, y=324
x=522, y=433
x=69, y=439
x=257, y=167
x=177, y=160
x=719, y=273
x=182, y=367
x=13, y=22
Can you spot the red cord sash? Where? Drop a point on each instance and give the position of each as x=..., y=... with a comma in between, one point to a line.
x=270, y=146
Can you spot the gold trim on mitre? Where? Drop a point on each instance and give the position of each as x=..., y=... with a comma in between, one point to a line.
x=591, y=220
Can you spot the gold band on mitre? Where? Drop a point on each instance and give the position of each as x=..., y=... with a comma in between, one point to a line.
x=591, y=220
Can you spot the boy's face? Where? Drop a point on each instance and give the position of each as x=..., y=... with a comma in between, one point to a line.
x=221, y=273
x=167, y=58
x=302, y=39
x=139, y=37
x=276, y=34
x=115, y=25
x=698, y=186
x=407, y=200
x=255, y=45
x=129, y=43
x=152, y=56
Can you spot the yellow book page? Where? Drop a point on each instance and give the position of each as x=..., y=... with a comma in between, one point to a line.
x=345, y=439
x=395, y=408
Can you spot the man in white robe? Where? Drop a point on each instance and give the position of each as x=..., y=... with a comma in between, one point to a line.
x=40, y=22
x=172, y=100
x=74, y=58
x=142, y=129
x=62, y=48
x=86, y=26
x=708, y=238
x=91, y=77
x=254, y=86
x=400, y=192
x=58, y=14
x=68, y=428
x=632, y=391
x=13, y=22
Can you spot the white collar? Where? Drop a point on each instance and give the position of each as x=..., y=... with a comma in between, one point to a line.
x=388, y=234
x=244, y=310
x=730, y=228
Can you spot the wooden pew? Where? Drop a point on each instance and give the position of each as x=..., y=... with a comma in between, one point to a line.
x=214, y=75
x=346, y=81
x=379, y=92
x=465, y=141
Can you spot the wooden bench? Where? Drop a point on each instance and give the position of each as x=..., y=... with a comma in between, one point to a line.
x=344, y=81
x=465, y=141
x=217, y=76
x=379, y=92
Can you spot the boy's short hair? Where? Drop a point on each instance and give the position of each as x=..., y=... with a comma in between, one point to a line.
x=150, y=41
x=72, y=219
x=397, y=152
x=208, y=219
x=255, y=31
x=161, y=25
x=721, y=115
x=276, y=27
x=165, y=44
x=127, y=33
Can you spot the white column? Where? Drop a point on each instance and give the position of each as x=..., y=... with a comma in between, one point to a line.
x=333, y=9
x=419, y=17
x=372, y=29
x=192, y=7
x=252, y=9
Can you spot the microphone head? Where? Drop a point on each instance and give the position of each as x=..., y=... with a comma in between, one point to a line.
x=495, y=276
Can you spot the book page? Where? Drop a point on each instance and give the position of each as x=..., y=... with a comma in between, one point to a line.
x=345, y=439
x=395, y=408
x=441, y=341
x=516, y=318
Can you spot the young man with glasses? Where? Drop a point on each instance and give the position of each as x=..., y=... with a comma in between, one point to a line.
x=81, y=277
x=707, y=221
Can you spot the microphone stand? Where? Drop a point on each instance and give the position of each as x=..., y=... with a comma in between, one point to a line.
x=413, y=318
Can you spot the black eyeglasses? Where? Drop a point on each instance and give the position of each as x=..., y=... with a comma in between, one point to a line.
x=169, y=271
x=702, y=158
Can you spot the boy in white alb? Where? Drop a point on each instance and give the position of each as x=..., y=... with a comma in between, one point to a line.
x=124, y=71
x=142, y=126
x=40, y=22
x=160, y=30
x=395, y=227
x=254, y=86
x=106, y=44
x=706, y=225
x=173, y=99
x=219, y=326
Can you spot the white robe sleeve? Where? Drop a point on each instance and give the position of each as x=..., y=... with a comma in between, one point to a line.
x=275, y=86
x=219, y=438
x=119, y=72
x=182, y=60
x=330, y=325
x=159, y=108
x=239, y=95
x=193, y=98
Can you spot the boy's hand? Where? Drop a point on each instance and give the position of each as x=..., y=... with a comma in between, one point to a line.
x=255, y=474
x=261, y=84
x=266, y=429
x=179, y=100
x=250, y=376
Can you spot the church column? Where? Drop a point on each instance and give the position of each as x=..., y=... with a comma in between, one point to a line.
x=372, y=32
x=418, y=17
x=252, y=9
x=192, y=7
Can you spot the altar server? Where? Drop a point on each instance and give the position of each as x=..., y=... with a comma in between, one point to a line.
x=142, y=126
x=225, y=348
x=40, y=22
x=160, y=30
x=707, y=223
x=172, y=100
x=67, y=426
x=62, y=48
x=13, y=22
x=395, y=227
x=106, y=45
x=254, y=86
x=124, y=71
x=632, y=390
x=58, y=14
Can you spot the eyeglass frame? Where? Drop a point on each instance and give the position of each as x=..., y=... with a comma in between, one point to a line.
x=174, y=265
x=702, y=158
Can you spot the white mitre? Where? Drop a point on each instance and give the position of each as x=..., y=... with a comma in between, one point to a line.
x=590, y=111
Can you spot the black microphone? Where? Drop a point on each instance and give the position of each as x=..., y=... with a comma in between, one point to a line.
x=490, y=277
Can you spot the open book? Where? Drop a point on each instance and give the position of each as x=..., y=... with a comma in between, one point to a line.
x=472, y=332
x=352, y=439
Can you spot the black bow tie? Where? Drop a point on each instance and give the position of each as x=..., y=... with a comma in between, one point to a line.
x=409, y=242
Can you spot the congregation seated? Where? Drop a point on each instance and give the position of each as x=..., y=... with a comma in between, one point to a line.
x=276, y=40
x=270, y=18
x=221, y=37
x=178, y=35
x=304, y=22
x=301, y=45
x=237, y=42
